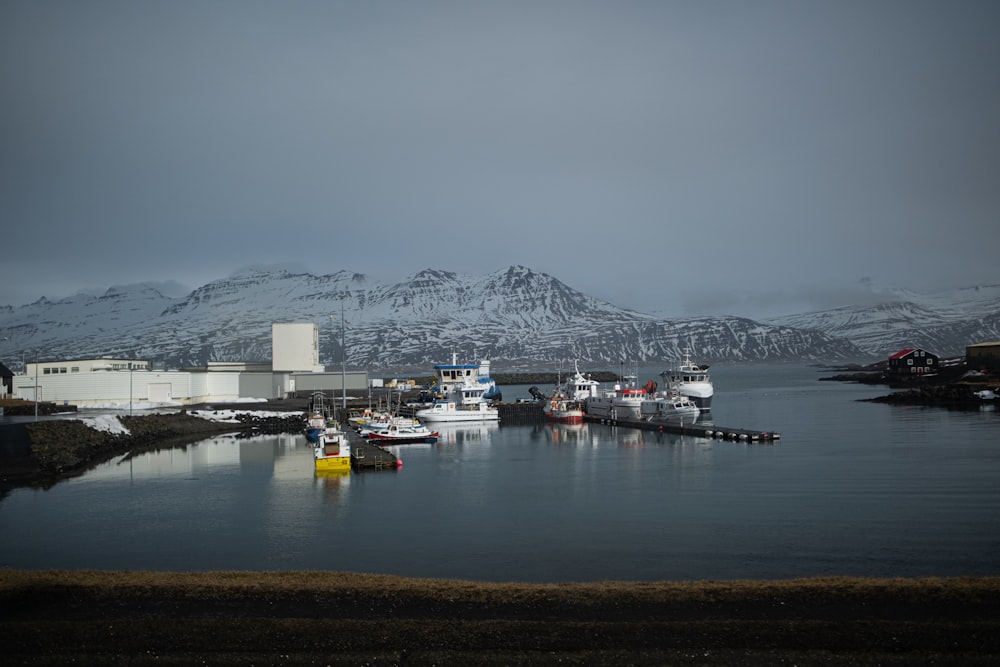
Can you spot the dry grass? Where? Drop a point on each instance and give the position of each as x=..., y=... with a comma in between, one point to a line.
x=227, y=618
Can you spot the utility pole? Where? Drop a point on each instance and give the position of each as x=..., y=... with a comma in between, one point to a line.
x=343, y=360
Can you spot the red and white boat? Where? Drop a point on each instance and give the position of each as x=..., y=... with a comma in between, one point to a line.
x=563, y=410
x=566, y=404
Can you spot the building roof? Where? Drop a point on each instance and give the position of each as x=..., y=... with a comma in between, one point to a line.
x=909, y=350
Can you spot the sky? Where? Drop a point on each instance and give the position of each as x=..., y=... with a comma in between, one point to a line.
x=678, y=157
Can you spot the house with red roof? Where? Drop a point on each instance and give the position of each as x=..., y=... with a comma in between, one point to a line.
x=913, y=361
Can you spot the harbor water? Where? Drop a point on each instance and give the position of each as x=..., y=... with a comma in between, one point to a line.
x=851, y=488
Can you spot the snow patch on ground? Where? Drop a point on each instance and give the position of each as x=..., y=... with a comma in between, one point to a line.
x=230, y=416
x=108, y=423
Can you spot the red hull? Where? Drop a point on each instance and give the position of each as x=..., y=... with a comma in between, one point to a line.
x=570, y=416
x=567, y=419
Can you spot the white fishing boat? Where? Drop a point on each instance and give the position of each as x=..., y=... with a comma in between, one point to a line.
x=474, y=378
x=617, y=403
x=463, y=393
x=691, y=380
x=623, y=401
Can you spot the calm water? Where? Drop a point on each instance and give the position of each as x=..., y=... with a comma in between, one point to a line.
x=851, y=488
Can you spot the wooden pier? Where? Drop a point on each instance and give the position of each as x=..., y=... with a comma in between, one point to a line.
x=366, y=456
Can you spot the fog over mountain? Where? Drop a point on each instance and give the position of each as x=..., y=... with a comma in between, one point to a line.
x=520, y=318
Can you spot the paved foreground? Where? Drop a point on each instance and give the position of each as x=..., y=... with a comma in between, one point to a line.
x=244, y=618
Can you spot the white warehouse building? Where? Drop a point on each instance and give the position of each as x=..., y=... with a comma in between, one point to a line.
x=295, y=368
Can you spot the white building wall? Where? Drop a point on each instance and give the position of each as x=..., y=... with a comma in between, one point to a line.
x=84, y=389
x=295, y=347
x=84, y=366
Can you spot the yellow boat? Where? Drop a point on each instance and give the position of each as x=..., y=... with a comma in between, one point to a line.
x=332, y=452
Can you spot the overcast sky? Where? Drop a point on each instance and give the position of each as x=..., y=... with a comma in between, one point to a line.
x=699, y=157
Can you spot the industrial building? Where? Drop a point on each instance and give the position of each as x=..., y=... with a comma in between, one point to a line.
x=294, y=370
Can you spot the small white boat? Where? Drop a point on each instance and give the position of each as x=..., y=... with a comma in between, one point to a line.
x=450, y=411
x=691, y=380
x=385, y=421
x=402, y=433
x=669, y=406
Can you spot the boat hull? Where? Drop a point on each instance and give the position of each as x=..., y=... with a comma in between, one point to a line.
x=334, y=464
x=450, y=412
x=576, y=417
x=603, y=407
x=563, y=412
x=402, y=439
x=700, y=397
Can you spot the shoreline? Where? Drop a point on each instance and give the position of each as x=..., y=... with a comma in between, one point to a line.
x=230, y=618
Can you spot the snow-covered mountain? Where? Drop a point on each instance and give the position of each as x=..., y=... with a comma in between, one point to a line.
x=518, y=317
x=942, y=322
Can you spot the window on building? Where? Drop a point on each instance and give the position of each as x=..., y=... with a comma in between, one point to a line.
x=74, y=369
x=46, y=371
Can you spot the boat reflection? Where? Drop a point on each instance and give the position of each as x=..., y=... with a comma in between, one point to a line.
x=332, y=482
x=568, y=434
x=466, y=433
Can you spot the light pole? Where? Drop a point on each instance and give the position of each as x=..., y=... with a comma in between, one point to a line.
x=343, y=361
x=333, y=388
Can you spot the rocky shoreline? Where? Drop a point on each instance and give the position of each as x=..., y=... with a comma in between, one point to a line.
x=953, y=388
x=62, y=448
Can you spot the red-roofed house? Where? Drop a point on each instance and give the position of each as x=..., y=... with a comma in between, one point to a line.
x=913, y=361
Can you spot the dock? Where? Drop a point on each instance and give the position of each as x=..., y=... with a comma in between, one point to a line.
x=695, y=429
x=527, y=413
x=366, y=456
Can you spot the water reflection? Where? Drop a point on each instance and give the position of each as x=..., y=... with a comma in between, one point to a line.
x=471, y=433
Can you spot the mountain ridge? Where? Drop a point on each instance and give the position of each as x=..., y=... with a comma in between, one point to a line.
x=516, y=316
